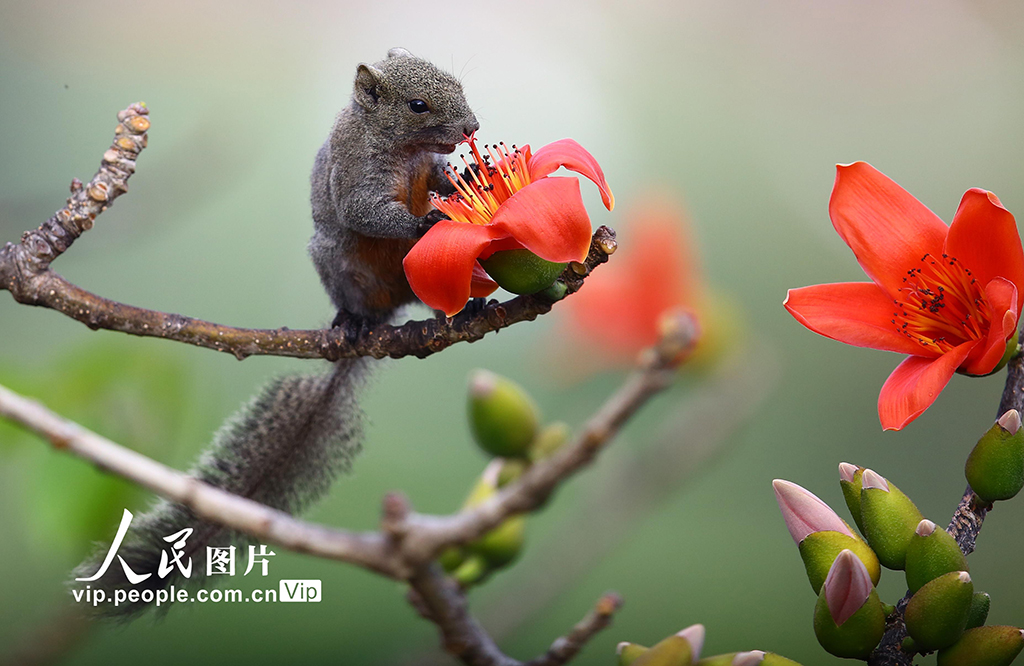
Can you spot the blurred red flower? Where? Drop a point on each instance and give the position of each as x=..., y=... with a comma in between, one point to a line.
x=508, y=203
x=950, y=297
x=620, y=306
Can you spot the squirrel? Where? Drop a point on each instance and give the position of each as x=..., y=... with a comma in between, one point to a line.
x=370, y=190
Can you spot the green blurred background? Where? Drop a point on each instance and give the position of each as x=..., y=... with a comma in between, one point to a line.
x=739, y=109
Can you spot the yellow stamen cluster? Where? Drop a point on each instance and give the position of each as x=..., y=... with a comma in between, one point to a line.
x=492, y=179
x=943, y=305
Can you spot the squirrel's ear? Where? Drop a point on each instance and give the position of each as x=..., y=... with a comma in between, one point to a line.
x=367, y=91
x=399, y=52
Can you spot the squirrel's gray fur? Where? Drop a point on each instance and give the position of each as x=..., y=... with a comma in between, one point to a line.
x=370, y=186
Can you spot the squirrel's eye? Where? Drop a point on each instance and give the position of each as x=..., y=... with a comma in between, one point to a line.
x=418, y=106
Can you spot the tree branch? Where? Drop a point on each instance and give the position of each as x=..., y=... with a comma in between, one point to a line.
x=25, y=272
x=965, y=525
x=407, y=543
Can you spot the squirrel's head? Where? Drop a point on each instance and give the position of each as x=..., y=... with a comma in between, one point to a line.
x=417, y=103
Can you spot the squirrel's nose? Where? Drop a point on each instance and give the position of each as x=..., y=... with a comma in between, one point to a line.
x=471, y=126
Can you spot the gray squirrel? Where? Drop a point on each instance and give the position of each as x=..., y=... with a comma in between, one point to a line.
x=370, y=198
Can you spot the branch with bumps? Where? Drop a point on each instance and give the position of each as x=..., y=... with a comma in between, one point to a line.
x=408, y=543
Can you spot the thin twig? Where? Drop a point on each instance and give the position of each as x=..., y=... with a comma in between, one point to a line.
x=25, y=272
x=965, y=525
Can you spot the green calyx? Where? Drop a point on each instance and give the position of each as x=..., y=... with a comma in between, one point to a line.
x=855, y=638
x=932, y=552
x=978, y=613
x=521, y=271
x=984, y=646
x=630, y=652
x=889, y=519
x=503, y=417
x=851, y=493
x=936, y=615
x=502, y=545
x=995, y=468
x=672, y=651
x=820, y=549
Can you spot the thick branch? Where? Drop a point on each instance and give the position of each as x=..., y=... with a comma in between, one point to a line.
x=206, y=501
x=965, y=525
x=25, y=272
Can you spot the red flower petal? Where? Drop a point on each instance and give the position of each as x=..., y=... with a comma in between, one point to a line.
x=481, y=284
x=915, y=383
x=571, y=155
x=887, y=228
x=1001, y=295
x=548, y=218
x=984, y=238
x=440, y=266
x=857, y=313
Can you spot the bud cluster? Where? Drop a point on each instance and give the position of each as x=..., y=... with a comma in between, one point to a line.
x=944, y=613
x=505, y=423
x=683, y=649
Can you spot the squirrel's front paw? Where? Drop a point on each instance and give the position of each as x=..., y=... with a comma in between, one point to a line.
x=429, y=220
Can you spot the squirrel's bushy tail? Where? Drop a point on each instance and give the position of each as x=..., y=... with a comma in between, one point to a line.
x=283, y=449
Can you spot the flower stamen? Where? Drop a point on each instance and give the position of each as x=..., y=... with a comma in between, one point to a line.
x=943, y=305
x=486, y=183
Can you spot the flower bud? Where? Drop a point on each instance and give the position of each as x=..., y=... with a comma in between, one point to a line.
x=502, y=416
x=629, y=652
x=486, y=486
x=820, y=534
x=889, y=519
x=848, y=618
x=471, y=571
x=979, y=610
x=451, y=558
x=550, y=439
x=995, y=468
x=850, y=482
x=751, y=658
x=502, y=545
x=680, y=649
x=936, y=615
x=511, y=469
x=521, y=271
x=931, y=553
x=984, y=646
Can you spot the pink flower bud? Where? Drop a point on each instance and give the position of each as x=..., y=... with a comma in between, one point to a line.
x=752, y=658
x=694, y=635
x=804, y=513
x=847, y=587
x=873, y=479
x=1010, y=421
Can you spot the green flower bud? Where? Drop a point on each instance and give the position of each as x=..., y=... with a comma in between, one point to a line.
x=772, y=659
x=995, y=468
x=451, y=558
x=850, y=482
x=486, y=486
x=549, y=440
x=848, y=618
x=511, y=469
x=680, y=649
x=932, y=552
x=629, y=652
x=502, y=416
x=984, y=646
x=979, y=610
x=936, y=615
x=889, y=519
x=472, y=571
x=751, y=658
x=820, y=549
x=718, y=660
x=521, y=271
x=502, y=545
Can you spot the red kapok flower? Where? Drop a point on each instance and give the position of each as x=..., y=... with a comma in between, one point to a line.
x=509, y=203
x=950, y=297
